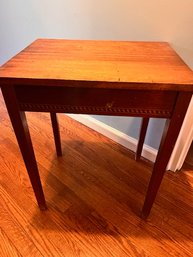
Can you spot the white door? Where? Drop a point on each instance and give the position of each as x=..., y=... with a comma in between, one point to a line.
x=183, y=142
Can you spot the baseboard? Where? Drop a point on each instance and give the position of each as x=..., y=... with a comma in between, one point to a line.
x=129, y=142
x=183, y=142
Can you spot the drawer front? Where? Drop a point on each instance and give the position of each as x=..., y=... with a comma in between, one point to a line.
x=120, y=102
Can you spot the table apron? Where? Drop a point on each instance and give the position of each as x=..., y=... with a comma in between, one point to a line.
x=121, y=102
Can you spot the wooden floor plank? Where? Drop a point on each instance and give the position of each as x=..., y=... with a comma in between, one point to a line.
x=7, y=248
x=95, y=192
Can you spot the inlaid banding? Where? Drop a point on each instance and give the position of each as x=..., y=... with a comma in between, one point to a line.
x=94, y=110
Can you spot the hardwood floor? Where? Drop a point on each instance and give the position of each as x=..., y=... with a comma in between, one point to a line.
x=94, y=192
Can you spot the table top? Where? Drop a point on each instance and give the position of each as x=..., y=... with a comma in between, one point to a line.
x=148, y=65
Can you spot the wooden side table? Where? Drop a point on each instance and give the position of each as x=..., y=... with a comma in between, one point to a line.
x=140, y=79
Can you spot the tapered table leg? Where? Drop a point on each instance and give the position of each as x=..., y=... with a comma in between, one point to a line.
x=21, y=130
x=143, y=130
x=56, y=133
x=169, y=138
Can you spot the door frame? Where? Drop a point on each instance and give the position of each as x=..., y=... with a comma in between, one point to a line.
x=183, y=142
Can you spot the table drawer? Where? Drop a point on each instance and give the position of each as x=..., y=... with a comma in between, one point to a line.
x=120, y=102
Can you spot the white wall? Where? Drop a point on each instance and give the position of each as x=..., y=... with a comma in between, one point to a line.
x=22, y=21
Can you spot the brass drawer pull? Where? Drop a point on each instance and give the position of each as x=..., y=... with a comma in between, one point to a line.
x=110, y=105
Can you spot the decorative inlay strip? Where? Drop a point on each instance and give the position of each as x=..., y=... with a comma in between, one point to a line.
x=93, y=109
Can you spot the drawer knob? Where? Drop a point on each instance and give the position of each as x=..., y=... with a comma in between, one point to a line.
x=109, y=105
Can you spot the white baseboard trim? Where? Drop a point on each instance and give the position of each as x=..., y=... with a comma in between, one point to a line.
x=114, y=134
x=183, y=142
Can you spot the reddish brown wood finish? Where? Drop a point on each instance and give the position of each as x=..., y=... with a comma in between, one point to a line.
x=170, y=134
x=56, y=132
x=143, y=79
x=87, y=63
x=96, y=101
x=21, y=130
x=142, y=134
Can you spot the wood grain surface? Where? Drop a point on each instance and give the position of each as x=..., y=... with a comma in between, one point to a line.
x=152, y=65
x=94, y=192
